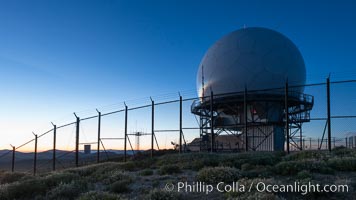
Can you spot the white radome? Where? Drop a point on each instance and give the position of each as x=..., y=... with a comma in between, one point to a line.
x=255, y=58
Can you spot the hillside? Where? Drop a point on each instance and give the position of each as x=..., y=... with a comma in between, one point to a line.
x=146, y=178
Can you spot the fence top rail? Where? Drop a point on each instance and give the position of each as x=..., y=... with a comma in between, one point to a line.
x=62, y=126
x=190, y=99
x=91, y=117
x=346, y=81
x=113, y=112
x=24, y=144
x=167, y=102
x=43, y=134
x=144, y=106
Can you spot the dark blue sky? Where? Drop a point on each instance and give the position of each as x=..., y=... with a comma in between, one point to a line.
x=57, y=57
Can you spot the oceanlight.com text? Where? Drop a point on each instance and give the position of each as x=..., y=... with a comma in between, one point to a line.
x=296, y=187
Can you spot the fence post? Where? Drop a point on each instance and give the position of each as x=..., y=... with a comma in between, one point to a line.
x=125, y=133
x=99, y=129
x=328, y=112
x=310, y=144
x=245, y=116
x=77, y=141
x=13, y=159
x=212, y=121
x=152, y=126
x=54, y=147
x=334, y=142
x=180, y=122
x=35, y=156
x=301, y=138
x=286, y=115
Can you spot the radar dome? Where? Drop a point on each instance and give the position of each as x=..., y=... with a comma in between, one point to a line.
x=255, y=58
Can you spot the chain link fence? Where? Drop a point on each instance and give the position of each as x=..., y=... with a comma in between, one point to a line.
x=167, y=123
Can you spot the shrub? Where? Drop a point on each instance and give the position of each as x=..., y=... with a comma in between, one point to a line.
x=9, y=177
x=193, y=161
x=28, y=188
x=85, y=171
x=343, y=151
x=57, y=178
x=96, y=172
x=246, y=167
x=264, y=158
x=108, y=166
x=110, y=177
x=24, y=189
x=163, y=195
x=146, y=172
x=306, y=155
x=169, y=169
x=155, y=183
x=293, y=167
x=66, y=190
x=121, y=186
x=252, y=158
x=252, y=171
x=117, y=176
x=98, y=195
x=304, y=175
x=129, y=166
x=342, y=164
x=218, y=174
x=144, y=164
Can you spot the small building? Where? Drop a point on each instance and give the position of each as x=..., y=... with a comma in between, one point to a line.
x=222, y=143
